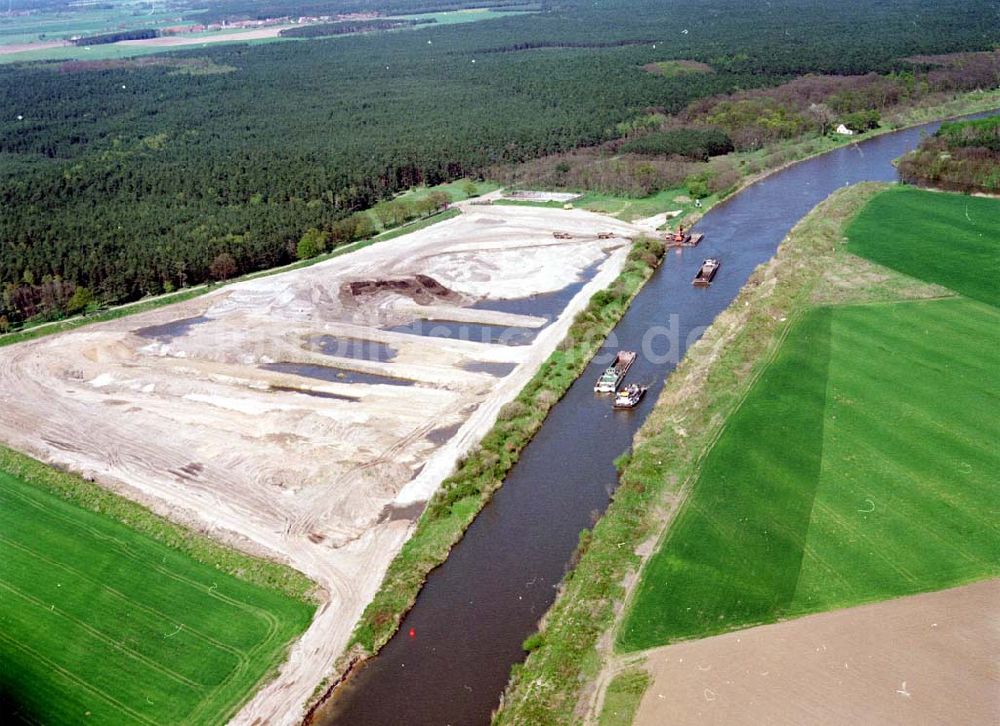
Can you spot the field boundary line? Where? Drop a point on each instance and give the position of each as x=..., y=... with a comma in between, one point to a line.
x=685, y=489
x=828, y=383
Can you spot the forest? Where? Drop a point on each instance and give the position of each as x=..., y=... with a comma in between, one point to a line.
x=130, y=178
x=963, y=156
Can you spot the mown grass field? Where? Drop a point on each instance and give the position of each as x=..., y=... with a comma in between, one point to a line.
x=862, y=463
x=948, y=239
x=456, y=190
x=629, y=209
x=101, y=624
x=860, y=467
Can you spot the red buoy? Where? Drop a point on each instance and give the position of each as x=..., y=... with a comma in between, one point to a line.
x=413, y=632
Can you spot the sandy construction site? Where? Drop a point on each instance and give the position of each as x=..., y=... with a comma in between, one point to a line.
x=241, y=412
x=925, y=659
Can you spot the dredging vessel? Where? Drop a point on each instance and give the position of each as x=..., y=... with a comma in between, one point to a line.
x=680, y=238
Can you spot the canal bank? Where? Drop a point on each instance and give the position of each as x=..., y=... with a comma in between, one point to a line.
x=452, y=656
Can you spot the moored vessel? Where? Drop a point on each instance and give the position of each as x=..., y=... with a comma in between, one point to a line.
x=680, y=238
x=613, y=375
x=630, y=396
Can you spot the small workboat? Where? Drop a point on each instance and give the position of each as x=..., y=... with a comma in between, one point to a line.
x=613, y=375
x=707, y=271
x=630, y=396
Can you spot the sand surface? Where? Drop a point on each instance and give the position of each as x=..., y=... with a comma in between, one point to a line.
x=173, y=41
x=321, y=474
x=11, y=48
x=925, y=659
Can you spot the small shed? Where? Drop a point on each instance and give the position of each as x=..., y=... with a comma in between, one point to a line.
x=844, y=131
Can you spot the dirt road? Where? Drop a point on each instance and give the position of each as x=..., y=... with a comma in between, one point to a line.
x=228, y=412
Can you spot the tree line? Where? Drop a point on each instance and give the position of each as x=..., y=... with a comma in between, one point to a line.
x=118, y=36
x=962, y=156
x=131, y=179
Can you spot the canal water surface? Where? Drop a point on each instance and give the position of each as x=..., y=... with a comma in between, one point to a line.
x=476, y=609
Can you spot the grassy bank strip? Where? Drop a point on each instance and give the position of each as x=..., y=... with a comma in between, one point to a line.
x=142, y=306
x=61, y=326
x=419, y=224
x=623, y=697
x=462, y=495
x=699, y=395
x=92, y=497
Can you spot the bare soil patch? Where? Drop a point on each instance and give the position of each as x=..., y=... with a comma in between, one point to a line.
x=422, y=289
x=12, y=48
x=926, y=659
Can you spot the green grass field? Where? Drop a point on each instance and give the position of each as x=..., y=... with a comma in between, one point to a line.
x=862, y=464
x=100, y=624
x=949, y=239
x=455, y=190
x=627, y=208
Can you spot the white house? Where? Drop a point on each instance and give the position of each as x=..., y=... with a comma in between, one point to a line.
x=844, y=130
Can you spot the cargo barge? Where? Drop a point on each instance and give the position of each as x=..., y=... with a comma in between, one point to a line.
x=706, y=272
x=613, y=375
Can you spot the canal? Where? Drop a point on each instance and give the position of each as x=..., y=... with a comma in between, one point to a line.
x=476, y=609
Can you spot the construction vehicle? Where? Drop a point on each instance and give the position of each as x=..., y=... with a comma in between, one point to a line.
x=680, y=238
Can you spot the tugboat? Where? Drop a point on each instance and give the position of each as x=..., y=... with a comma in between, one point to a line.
x=707, y=271
x=613, y=375
x=630, y=396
